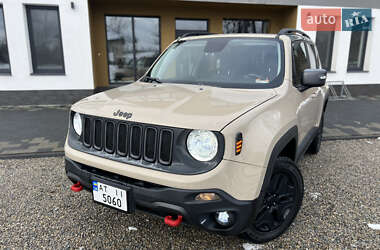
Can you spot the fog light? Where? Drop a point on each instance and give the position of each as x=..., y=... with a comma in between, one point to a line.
x=207, y=197
x=224, y=218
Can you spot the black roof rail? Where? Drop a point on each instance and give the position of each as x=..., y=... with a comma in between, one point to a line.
x=195, y=34
x=288, y=31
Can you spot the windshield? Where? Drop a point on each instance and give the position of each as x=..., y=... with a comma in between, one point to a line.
x=231, y=62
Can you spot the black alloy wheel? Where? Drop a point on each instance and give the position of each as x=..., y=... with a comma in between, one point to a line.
x=280, y=202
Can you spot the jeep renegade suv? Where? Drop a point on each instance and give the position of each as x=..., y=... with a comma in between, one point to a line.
x=210, y=135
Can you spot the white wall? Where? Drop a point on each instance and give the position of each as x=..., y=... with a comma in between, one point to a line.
x=341, y=50
x=76, y=47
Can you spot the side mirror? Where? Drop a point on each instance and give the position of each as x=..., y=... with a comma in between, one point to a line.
x=314, y=77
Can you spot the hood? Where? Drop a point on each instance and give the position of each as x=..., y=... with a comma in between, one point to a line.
x=175, y=105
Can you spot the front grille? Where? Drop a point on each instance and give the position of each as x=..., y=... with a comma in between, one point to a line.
x=148, y=143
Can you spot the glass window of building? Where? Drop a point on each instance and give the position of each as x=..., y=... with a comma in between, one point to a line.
x=325, y=45
x=133, y=43
x=183, y=26
x=357, y=52
x=4, y=56
x=245, y=26
x=45, y=39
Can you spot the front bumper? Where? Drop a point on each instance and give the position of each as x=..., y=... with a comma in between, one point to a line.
x=240, y=180
x=163, y=201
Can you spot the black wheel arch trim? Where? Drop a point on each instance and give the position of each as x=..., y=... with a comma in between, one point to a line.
x=290, y=135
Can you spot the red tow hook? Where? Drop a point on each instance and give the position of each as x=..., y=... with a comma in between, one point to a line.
x=173, y=223
x=77, y=187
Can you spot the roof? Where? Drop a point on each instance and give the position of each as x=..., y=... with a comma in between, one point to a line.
x=260, y=35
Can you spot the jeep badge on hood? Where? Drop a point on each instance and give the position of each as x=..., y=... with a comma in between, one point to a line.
x=119, y=113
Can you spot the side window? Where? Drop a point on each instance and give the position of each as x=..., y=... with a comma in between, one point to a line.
x=300, y=61
x=312, y=57
x=314, y=48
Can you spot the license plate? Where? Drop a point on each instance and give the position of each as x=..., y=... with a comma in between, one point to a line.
x=110, y=195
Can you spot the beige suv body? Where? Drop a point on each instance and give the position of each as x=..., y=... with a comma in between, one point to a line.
x=254, y=130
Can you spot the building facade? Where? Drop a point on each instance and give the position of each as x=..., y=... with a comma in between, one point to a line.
x=45, y=45
x=95, y=44
x=349, y=56
x=126, y=38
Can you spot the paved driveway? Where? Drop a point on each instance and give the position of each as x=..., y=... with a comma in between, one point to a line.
x=352, y=118
x=33, y=129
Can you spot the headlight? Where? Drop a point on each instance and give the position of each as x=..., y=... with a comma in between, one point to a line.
x=77, y=123
x=202, y=145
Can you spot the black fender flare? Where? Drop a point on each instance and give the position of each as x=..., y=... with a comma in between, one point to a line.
x=291, y=134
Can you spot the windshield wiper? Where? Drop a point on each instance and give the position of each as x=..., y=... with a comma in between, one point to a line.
x=152, y=79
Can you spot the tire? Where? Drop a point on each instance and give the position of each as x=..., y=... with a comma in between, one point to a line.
x=278, y=204
x=316, y=143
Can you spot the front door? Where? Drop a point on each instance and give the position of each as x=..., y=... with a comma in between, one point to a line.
x=307, y=99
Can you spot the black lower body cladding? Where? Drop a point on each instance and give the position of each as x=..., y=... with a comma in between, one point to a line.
x=163, y=201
